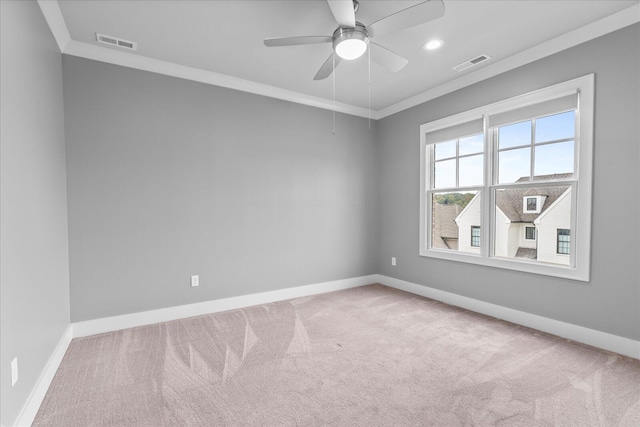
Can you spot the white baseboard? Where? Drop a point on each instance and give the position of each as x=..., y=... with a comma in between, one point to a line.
x=30, y=408
x=91, y=327
x=108, y=324
x=603, y=340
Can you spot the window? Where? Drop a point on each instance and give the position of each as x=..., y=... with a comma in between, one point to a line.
x=563, y=241
x=475, y=235
x=533, y=204
x=530, y=233
x=457, y=172
x=512, y=169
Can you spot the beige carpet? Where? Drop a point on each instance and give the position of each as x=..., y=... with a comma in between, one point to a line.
x=369, y=356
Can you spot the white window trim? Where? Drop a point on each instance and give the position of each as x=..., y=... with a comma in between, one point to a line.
x=581, y=229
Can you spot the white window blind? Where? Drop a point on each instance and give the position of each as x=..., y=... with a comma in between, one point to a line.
x=546, y=108
x=456, y=131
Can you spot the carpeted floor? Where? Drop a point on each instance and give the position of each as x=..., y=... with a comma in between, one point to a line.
x=368, y=356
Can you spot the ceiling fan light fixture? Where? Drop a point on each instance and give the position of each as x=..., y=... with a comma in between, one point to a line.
x=350, y=43
x=351, y=48
x=433, y=44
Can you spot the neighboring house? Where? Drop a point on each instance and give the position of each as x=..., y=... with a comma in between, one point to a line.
x=468, y=224
x=531, y=223
x=552, y=227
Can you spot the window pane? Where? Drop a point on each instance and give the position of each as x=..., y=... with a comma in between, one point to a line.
x=554, y=159
x=475, y=236
x=472, y=144
x=531, y=236
x=514, y=165
x=452, y=222
x=564, y=241
x=445, y=150
x=514, y=135
x=558, y=126
x=471, y=171
x=445, y=174
x=531, y=203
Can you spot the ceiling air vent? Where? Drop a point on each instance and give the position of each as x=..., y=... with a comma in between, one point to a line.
x=472, y=62
x=115, y=41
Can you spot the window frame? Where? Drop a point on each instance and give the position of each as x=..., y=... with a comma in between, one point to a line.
x=580, y=245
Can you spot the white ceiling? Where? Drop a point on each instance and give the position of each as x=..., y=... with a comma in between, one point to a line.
x=225, y=38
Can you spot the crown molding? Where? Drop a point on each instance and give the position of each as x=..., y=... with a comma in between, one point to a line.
x=596, y=29
x=55, y=20
x=144, y=63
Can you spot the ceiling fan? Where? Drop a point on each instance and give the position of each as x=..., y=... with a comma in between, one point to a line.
x=351, y=38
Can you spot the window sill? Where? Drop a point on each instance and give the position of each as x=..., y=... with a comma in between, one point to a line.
x=532, y=267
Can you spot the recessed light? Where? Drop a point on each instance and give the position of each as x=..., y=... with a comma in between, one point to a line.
x=433, y=44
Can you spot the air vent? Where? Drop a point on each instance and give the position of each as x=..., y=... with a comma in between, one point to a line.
x=115, y=41
x=472, y=62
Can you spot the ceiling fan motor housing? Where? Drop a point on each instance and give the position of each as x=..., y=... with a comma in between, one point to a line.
x=350, y=38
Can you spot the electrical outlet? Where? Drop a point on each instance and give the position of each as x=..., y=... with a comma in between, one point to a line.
x=393, y=260
x=195, y=281
x=14, y=371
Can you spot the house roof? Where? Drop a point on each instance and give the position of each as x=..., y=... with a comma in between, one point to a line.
x=444, y=226
x=549, y=177
x=528, y=253
x=510, y=200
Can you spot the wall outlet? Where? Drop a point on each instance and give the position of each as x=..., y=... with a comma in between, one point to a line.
x=195, y=281
x=14, y=371
x=393, y=260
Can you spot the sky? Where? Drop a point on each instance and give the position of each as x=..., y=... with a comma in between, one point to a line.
x=533, y=138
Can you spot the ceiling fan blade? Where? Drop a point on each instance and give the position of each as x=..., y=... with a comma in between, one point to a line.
x=294, y=41
x=327, y=68
x=388, y=59
x=343, y=12
x=409, y=17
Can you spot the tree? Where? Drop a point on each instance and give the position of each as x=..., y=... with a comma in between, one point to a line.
x=454, y=199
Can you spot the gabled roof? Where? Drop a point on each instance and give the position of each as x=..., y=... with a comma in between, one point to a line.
x=510, y=201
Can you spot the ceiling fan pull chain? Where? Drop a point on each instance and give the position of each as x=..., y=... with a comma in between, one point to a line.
x=369, y=87
x=334, y=92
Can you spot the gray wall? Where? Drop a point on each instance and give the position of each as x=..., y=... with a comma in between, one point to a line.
x=611, y=301
x=34, y=291
x=169, y=178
